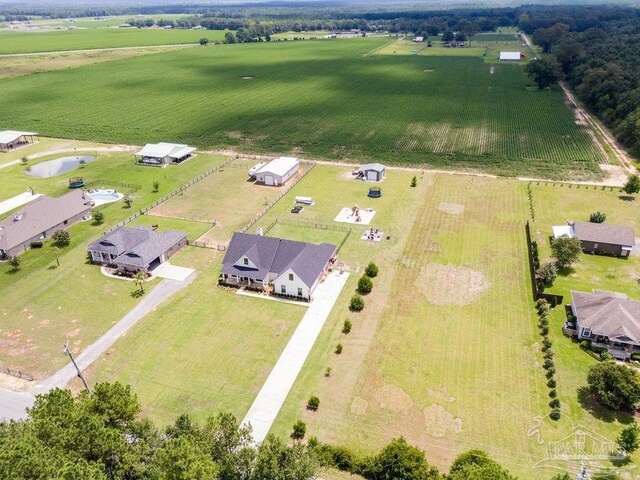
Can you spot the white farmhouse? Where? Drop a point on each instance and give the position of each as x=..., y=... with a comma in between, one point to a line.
x=285, y=267
x=278, y=171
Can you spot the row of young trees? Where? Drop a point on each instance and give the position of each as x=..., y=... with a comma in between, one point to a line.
x=101, y=435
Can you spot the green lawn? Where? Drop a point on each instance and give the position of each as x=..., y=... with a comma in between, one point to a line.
x=206, y=350
x=431, y=367
x=313, y=99
x=43, y=306
x=81, y=39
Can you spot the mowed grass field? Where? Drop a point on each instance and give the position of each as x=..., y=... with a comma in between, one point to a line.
x=314, y=99
x=44, y=306
x=81, y=39
x=445, y=351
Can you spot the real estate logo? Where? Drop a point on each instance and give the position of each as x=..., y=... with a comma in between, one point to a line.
x=576, y=449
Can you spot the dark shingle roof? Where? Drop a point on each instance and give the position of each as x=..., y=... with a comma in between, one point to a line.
x=39, y=216
x=137, y=246
x=608, y=313
x=270, y=254
x=604, y=233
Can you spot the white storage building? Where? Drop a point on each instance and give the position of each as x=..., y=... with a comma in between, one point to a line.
x=278, y=171
x=510, y=56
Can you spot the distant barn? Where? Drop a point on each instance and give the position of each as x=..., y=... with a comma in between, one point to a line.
x=511, y=56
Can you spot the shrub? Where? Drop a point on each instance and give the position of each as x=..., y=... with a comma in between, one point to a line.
x=566, y=250
x=313, y=442
x=346, y=328
x=544, y=321
x=299, y=429
x=555, y=403
x=542, y=306
x=551, y=383
x=313, y=403
x=553, y=393
x=98, y=217
x=544, y=330
x=36, y=244
x=548, y=353
x=398, y=460
x=327, y=372
x=61, y=238
x=15, y=263
x=635, y=357
x=414, y=182
x=547, y=274
x=551, y=372
x=606, y=356
x=371, y=270
x=156, y=186
x=597, y=217
x=339, y=348
x=357, y=303
x=629, y=439
x=548, y=363
x=585, y=344
x=555, y=414
x=365, y=285
x=546, y=343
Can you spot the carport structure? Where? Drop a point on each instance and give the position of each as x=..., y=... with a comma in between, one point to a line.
x=12, y=139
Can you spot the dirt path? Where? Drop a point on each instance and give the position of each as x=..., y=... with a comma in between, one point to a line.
x=621, y=154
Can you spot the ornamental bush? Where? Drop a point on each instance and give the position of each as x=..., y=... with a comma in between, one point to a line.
x=365, y=285
x=357, y=303
x=313, y=403
x=371, y=270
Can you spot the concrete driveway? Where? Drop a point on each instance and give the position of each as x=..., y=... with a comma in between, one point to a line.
x=172, y=272
x=267, y=404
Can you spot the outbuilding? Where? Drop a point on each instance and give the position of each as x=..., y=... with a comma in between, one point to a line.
x=12, y=139
x=278, y=171
x=511, y=56
x=160, y=154
x=372, y=172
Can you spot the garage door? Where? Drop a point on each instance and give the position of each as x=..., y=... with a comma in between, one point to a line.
x=269, y=180
x=372, y=175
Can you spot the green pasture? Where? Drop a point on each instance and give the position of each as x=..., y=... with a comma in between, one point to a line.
x=43, y=304
x=313, y=99
x=83, y=39
x=205, y=351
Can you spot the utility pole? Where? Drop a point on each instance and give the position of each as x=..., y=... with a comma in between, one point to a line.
x=67, y=352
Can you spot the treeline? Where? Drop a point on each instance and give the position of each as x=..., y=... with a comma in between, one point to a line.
x=100, y=435
x=597, y=51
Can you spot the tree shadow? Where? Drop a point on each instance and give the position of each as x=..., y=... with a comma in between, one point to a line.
x=12, y=271
x=627, y=198
x=566, y=271
x=52, y=267
x=137, y=294
x=588, y=401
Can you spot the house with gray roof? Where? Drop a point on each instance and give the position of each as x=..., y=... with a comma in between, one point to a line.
x=609, y=320
x=602, y=238
x=136, y=249
x=41, y=218
x=284, y=267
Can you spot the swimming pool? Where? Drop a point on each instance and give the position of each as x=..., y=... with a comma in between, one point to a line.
x=100, y=197
x=58, y=166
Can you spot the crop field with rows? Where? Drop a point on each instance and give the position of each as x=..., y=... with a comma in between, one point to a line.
x=316, y=99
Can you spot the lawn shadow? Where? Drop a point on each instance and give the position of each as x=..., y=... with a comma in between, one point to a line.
x=137, y=294
x=627, y=198
x=52, y=267
x=12, y=271
x=591, y=405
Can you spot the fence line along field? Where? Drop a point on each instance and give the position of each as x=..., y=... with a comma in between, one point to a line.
x=316, y=99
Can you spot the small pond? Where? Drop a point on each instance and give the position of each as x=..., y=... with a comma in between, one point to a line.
x=58, y=166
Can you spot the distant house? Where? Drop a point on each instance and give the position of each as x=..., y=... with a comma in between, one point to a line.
x=454, y=44
x=600, y=237
x=124, y=25
x=511, y=56
x=136, y=249
x=418, y=40
x=12, y=139
x=277, y=171
x=160, y=154
x=41, y=218
x=609, y=320
x=373, y=172
x=292, y=268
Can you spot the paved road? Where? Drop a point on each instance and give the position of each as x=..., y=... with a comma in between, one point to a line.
x=267, y=404
x=13, y=404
